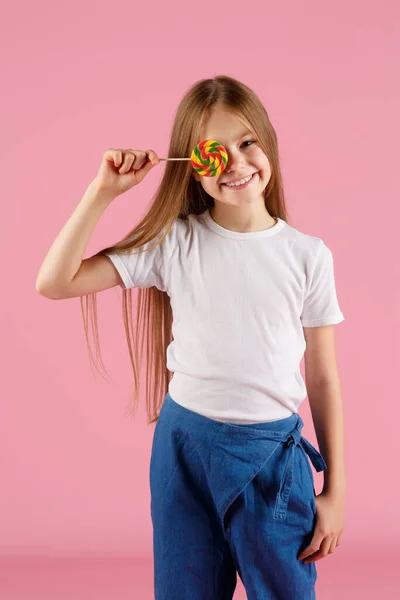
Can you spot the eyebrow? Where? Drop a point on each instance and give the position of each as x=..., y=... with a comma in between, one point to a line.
x=247, y=132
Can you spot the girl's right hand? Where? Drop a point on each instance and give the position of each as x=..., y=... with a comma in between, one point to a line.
x=120, y=170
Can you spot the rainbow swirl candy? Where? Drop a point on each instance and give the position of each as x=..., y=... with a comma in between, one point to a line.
x=209, y=158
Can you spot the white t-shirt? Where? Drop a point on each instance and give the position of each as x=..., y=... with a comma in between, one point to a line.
x=240, y=302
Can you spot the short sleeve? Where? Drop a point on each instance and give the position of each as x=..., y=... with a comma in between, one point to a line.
x=321, y=306
x=144, y=268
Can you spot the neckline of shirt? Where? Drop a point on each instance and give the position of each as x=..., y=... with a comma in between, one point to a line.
x=242, y=235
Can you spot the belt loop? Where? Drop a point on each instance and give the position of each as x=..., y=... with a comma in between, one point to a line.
x=282, y=497
x=294, y=438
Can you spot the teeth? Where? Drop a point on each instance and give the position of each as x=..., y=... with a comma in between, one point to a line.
x=240, y=182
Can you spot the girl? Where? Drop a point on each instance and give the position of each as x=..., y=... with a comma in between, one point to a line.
x=233, y=296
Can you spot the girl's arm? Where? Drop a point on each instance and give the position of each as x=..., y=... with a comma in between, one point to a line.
x=64, y=258
x=324, y=395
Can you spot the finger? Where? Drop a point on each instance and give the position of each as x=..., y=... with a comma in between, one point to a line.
x=119, y=157
x=141, y=159
x=313, y=547
x=153, y=157
x=113, y=155
x=129, y=159
x=321, y=553
x=334, y=544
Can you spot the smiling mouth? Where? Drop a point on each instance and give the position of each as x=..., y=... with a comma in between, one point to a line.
x=242, y=185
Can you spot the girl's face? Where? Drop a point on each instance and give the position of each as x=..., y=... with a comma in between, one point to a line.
x=245, y=158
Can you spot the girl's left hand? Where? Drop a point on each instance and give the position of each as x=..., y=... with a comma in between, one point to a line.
x=328, y=527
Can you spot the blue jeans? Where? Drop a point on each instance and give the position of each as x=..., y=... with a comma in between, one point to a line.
x=229, y=499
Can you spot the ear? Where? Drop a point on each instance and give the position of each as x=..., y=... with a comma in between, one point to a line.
x=196, y=176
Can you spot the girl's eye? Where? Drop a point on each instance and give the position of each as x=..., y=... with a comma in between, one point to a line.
x=249, y=142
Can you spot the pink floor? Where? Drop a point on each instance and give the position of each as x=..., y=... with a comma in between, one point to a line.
x=340, y=576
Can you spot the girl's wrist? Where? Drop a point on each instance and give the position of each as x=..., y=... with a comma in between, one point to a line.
x=335, y=485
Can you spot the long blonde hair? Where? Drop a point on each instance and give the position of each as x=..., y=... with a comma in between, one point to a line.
x=177, y=196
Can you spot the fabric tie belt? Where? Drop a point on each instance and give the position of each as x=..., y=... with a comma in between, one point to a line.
x=293, y=439
x=239, y=453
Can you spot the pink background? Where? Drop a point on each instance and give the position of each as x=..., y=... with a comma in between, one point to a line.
x=82, y=77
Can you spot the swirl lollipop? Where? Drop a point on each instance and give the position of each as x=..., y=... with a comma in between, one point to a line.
x=209, y=158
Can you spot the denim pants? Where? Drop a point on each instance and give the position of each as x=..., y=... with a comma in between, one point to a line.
x=228, y=499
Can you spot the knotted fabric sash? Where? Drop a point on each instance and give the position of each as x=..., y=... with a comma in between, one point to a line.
x=239, y=453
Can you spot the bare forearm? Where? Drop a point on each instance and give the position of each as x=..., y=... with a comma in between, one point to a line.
x=66, y=253
x=327, y=413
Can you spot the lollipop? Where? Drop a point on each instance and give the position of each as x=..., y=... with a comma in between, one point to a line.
x=209, y=158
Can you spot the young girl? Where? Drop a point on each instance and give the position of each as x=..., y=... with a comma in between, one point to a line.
x=234, y=297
